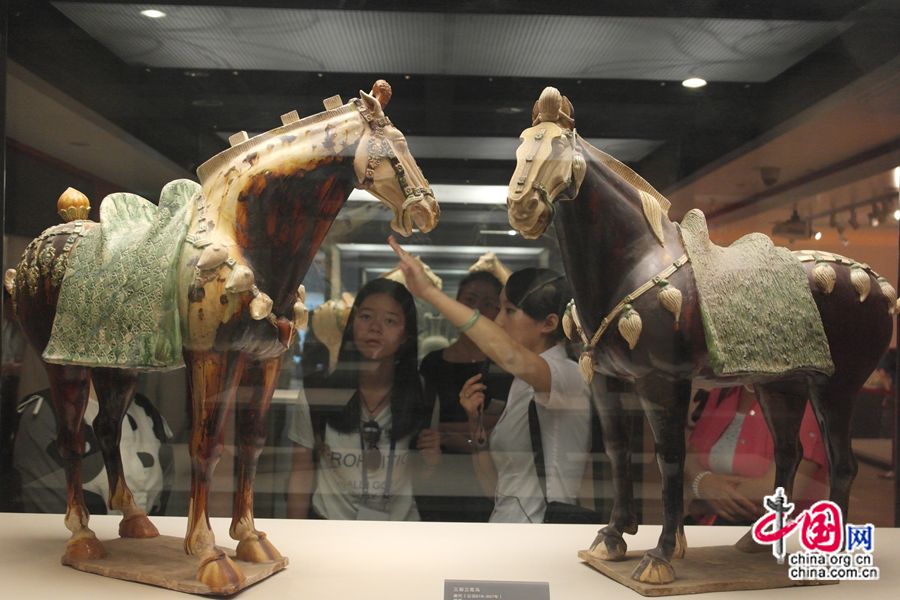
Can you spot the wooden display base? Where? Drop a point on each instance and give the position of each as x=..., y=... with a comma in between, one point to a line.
x=704, y=569
x=161, y=561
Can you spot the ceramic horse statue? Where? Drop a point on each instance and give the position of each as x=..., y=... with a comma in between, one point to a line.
x=232, y=252
x=493, y=265
x=640, y=282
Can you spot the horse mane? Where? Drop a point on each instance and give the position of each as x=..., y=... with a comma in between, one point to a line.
x=212, y=166
x=625, y=173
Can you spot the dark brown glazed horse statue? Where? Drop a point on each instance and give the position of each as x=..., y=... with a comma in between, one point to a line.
x=617, y=245
x=252, y=229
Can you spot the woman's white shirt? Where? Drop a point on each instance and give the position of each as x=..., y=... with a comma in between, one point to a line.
x=339, y=471
x=564, y=415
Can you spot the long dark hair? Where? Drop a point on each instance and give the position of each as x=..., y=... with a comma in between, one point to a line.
x=539, y=293
x=407, y=409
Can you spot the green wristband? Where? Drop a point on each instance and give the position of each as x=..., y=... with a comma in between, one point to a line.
x=471, y=322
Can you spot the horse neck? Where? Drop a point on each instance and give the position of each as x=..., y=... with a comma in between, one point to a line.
x=607, y=245
x=277, y=198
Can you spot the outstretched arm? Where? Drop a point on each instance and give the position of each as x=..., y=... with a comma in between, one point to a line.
x=509, y=354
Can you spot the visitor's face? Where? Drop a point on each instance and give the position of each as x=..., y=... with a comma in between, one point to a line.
x=518, y=325
x=379, y=329
x=481, y=295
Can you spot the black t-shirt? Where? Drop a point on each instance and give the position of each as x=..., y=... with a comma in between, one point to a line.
x=444, y=380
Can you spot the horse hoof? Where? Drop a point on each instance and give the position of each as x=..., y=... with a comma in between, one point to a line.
x=748, y=544
x=653, y=570
x=608, y=546
x=257, y=549
x=84, y=548
x=137, y=527
x=220, y=573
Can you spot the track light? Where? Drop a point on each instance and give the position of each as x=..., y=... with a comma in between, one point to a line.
x=875, y=215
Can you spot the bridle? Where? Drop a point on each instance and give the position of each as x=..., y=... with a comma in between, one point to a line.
x=378, y=148
x=569, y=136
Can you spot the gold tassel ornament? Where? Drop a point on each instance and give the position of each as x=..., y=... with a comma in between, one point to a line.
x=301, y=313
x=568, y=323
x=586, y=365
x=889, y=292
x=861, y=282
x=824, y=277
x=630, y=326
x=670, y=297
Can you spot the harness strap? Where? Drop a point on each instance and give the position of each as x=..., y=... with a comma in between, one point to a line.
x=647, y=285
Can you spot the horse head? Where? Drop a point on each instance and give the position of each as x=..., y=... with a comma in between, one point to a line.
x=385, y=167
x=549, y=165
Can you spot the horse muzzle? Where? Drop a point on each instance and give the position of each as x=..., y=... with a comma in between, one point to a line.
x=420, y=210
x=530, y=215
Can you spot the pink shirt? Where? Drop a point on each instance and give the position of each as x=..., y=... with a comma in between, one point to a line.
x=755, y=452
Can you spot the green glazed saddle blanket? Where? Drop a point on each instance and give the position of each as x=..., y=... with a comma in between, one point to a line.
x=117, y=304
x=758, y=313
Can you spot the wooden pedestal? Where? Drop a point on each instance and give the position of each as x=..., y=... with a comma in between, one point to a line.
x=704, y=569
x=161, y=561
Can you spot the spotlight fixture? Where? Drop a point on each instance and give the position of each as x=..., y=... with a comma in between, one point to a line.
x=693, y=82
x=794, y=228
x=152, y=13
x=874, y=215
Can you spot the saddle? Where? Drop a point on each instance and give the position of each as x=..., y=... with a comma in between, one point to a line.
x=117, y=303
x=758, y=313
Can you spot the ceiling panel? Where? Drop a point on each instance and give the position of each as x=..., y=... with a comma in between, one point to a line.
x=216, y=37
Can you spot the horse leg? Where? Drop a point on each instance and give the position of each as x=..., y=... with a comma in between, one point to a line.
x=833, y=406
x=69, y=387
x=115, y=391
x=782, y=406
x=665, y=404
x=212, y=384
x=609, y=543
x=261, y=377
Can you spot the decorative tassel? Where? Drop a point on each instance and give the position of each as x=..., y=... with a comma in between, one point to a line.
x=670, y=297
x=825, y=277
x=861, y=283
x=260, y=306
x=653, y=212
x=240, y=280
x=586, y=364
x=568, y=324
x=630, y=325
x=301, y=313
x=889, y=292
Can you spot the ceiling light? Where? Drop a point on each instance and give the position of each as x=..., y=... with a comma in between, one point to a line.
x=818, y=236
x=152, y=13
x=897, y=215
x=693, y=82
x=512, y=232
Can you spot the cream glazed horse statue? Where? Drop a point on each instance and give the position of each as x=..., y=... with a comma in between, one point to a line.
x=234, y=252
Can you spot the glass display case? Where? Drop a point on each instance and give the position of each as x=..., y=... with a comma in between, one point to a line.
x=422, y=120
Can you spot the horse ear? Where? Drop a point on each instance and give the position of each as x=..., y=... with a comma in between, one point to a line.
x=568, y=108
x=534, y=114
x=371, y=102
